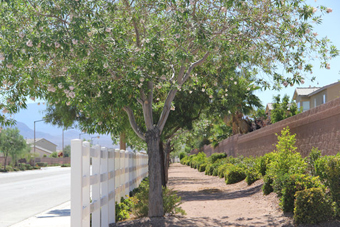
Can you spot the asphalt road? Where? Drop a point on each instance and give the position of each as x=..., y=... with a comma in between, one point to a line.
x=25, y=194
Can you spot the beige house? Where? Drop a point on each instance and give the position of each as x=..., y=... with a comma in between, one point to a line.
x=42, y=146
x=311, y=97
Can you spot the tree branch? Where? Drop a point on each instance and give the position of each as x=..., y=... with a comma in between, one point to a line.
x=147, y=107
x=193, y=65
x=166, y=109
x=133, y=122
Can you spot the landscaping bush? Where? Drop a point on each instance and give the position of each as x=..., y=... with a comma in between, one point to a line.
x=252, y=175
x=66, y=165
x=22, y=166
x=214, y=157
x=332, y=173
x=312, y=206
x=313, y=156
x=234, y=174
x=28, y=166
x=182, y=155
x=294, y=183
x=54, y=155
x=267, y=187
x=41, y=164
x=185, y=160
x=287, y=161
x=123, y=209
x=171, y=201
x=202, y=167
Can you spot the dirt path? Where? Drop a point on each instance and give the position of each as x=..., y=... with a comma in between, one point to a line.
x=208, y=201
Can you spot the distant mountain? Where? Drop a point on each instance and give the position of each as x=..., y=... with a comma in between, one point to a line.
x=25, y=123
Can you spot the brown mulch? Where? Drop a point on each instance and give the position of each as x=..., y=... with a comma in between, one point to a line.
x=208, y=201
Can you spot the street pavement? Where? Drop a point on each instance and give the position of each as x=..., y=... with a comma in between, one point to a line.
x=27, y=194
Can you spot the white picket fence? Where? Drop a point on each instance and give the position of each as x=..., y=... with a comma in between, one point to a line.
x=114, y=174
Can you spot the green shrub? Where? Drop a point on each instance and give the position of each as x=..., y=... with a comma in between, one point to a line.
x=202, y=167
x=312, y=206
x=287, y=161
x=267, y=187
x=182, y=155
x=214, y=157
x=171, y=201
x=22, y=166
x=66, y=165
x=263, y=162
x=123, y=209
x=294, y=183
x=252, y=175
x=44, y=156
x=332, y=172
x=234, y=174
x=41, y=164
x=221, y=170
x=313, y=156
x=54, y=155
x=28, y=166
x=185, y=160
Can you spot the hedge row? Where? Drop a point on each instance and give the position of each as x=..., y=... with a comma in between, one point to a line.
x=309, y=187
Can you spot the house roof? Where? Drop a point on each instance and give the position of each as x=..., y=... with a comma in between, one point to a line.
x=269, y=106
x=304, y=91
x=31, y=141
x=323, y=88
x=41, y=148
x=309, y=91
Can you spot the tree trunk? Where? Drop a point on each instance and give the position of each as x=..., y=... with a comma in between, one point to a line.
x=152, y=138
x=166, y=160
x=122, y=141
x=5, y=163
x=161, y=152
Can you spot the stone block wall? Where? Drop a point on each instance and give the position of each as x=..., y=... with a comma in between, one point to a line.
x=318, y=127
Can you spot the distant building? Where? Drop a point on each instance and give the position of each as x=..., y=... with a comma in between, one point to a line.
x=311, y=97
x=42, y=146
x=269, y=109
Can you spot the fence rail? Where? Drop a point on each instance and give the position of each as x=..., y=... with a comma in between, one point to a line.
x=113, y=175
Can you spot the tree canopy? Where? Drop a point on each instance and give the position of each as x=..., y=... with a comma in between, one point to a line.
x=105, y=57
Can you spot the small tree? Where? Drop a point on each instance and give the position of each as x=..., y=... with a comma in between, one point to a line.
x=283, y=109
x=12, y=144
x=67, y=151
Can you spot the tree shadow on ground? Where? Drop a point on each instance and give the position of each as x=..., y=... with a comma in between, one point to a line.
x=180, y=221
x=57, y=213
x=216, y=194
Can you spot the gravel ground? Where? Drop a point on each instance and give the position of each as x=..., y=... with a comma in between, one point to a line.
x=208, y=201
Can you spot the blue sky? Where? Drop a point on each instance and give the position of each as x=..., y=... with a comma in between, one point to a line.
x=330, y=27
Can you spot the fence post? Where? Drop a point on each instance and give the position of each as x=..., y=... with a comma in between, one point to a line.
x=96, y=186
x=112, y=190
x=105, y=193
x=76, y=183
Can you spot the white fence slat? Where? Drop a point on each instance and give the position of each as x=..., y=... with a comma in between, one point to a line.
x=111, y=170
x=76, y=183
x=104, y=187
x=96, y=186
x=122, y=174
x=86, y=188
x=114, y=174
x=126, y=176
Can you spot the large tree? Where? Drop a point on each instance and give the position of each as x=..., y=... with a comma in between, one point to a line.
x=107, y=56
